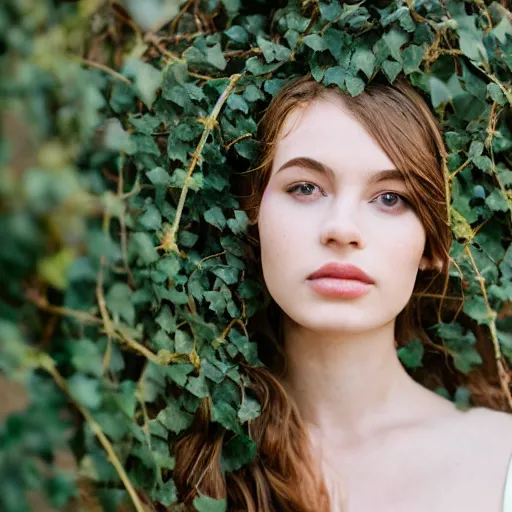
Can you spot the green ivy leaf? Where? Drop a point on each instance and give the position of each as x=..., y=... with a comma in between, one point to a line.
x=237, y=452
x=238, y=34
x=151, y=218
x=413, y=56
x=439, y=91
x=335, y=75
x=119, y=302
x=237, y=102
x=472, y=47
x=143, y=247
x=411, y=354
x=475, y=150
x=229, y=275
x=476, y=309
x=215, y=217
x=502, y=29
x=166, y=494
x=86, y=357
x=273, y=51
x=394, y=40
x=147, y=79
x=497, y=201
x=496, y=94
x=174, y=419
x=240, y=223
x=462, y=398
x=215, y=57
x=85, y=390
x=331, y=11
x=391, y=69
x=197, y=386
x=461, y=346
x=363, y=59
x=216, y=300
x=207, y=504
x=184, y=343
x=224, y=414
x=116, y=138
x=159, y=176
x=355, y=85
x=315, y=42
x=249, y=410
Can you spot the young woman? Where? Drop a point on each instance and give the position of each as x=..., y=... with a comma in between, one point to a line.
x=349, y=212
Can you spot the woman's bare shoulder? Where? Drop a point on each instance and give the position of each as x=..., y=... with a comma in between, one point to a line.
x=494, y=422
x=492, y=431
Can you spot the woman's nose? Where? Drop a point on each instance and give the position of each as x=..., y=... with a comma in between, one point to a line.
x=342, y=226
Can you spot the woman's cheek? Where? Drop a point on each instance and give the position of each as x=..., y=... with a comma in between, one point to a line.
x=405, y=254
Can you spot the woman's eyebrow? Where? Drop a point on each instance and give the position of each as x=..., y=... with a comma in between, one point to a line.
x=314, y=165
x=307, y=163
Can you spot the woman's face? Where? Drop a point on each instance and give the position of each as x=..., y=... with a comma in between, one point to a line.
x=336, y=205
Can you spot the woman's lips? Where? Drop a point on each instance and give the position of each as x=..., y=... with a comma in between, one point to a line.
x=339, y=288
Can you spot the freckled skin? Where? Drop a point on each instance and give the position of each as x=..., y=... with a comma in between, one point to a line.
x=301, y=232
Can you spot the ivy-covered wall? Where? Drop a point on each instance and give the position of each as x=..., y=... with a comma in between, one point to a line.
x=121, y=257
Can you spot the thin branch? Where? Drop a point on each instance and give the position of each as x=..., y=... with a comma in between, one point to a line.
x=491, y=132
x=417, y=18
x=122, y=223
x=238, y=139
x=437, y=296
x=461, y=168
x=108, y=70
x=123, y=336
x=503, y=375
x=209, y=123
x=155, y=41
x=43, y=304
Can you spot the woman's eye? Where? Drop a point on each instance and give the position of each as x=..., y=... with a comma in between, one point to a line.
x=391, y=199
x=303, y=189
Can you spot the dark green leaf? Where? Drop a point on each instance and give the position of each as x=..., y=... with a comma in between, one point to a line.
x=85, y=391
x=315, y=42
x=215, y=217
x=335, y=75
x=237, y=34
x=119, y=302
x=174, y=419
x=237, y=452
x=207, y=504
x=215, y=57
x=330, y=11
x=411, y=354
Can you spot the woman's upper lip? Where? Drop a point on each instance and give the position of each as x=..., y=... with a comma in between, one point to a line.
x=342, y=271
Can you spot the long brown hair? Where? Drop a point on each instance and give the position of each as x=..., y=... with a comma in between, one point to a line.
x=285, y=475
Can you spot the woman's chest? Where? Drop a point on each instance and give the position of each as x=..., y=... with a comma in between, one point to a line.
x=415, y=491
x=420, y=475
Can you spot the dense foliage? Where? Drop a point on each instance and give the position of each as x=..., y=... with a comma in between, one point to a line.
x=125, y=294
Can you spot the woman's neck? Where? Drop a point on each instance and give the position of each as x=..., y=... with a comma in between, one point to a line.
x=353, y=385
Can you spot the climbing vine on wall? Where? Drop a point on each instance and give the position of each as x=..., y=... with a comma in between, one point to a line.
x=125, y=295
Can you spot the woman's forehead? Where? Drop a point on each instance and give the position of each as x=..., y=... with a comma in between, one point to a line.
x=325, y=131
